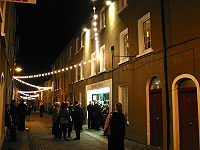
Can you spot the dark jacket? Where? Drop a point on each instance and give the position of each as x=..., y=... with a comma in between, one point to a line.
x=63, y=116
x=8, y=119
x=77, y=117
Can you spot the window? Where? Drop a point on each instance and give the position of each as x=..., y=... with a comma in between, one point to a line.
x=81, y=70
x=124, y=46
x=77, y=45
x=123, y=98
x=93, y=64
x=102, y=59
x=70, y=53
x=122, y=4
x=82, y=39
x=102, y=18
x=144, y=34
x=76, y=76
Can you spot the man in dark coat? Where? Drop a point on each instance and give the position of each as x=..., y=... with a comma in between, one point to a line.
x=9, y=122
x=22, y=109
x=89, y=109
x=14, y=112
x=41, y=110
x=77, y=119
x=96, y=116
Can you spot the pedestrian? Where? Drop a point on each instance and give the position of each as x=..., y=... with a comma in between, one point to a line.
x=70, y=122
x=117, y=128
x=104, y=114
x=89, y=109
x=22, y=109
x=41, y=110
x=9, y=123
x=96, y=118
x=55, y=128
x=63, y=117
x=14, y=112
x=77, y=119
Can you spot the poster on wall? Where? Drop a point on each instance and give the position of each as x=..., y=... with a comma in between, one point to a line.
x=21, y=1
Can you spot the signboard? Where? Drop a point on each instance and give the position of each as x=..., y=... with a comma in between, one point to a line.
x=22, y=1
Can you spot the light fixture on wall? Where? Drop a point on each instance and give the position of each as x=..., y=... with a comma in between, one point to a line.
x=108, y=2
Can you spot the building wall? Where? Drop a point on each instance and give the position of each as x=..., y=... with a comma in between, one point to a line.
x=182, y=36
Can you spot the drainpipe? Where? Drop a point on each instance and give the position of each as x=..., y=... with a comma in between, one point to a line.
x=166, y=74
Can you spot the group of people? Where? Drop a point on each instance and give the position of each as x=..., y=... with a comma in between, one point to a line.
x=68, y=116
x=15, y=117
x=97, y=115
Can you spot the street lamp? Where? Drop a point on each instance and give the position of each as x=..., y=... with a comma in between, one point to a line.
x=18, y=69
x=108, y=2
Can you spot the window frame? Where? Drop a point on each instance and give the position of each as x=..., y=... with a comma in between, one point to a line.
x=142, y=50
x=125, y=4
x=93, y=64
x=122, y=47
x=102, y=18
x=102, y=59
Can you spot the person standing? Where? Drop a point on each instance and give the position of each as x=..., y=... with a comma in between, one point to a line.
x=22, y=109
x=104, y=114
x=55, y=128
x=117, y=128
x=77, y=119
x=13, y=112
x=63, y=117
x=89, y=109
x=9, y=123
x=70, y=122
x=41, y=110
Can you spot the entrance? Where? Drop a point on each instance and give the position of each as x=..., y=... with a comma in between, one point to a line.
x=156, y=119
x=188, y=115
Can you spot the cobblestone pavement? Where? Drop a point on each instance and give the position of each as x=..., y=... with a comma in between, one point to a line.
x=40, y=137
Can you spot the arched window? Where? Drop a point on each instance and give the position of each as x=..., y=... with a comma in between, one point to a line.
x=155, y=84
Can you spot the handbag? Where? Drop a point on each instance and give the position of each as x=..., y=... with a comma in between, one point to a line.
x=107, y=129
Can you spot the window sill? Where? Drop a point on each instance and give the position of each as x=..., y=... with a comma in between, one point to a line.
x=102, y=71
x=145, y=52
x=122, y=9
x=124, y=61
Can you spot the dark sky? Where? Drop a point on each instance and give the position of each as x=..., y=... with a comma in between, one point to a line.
x=45, y=29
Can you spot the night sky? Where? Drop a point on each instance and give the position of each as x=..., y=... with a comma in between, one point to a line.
x=45, y=29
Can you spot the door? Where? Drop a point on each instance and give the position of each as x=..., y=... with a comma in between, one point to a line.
x=156, y=119
x=188, y=119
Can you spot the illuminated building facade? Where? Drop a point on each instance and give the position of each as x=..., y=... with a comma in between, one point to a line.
x=119, y=58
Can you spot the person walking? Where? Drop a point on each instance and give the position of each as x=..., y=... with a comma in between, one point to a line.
x=41, y=110
x=22, y=110
x=116, y=121
x=63, y=117
x=77, y=119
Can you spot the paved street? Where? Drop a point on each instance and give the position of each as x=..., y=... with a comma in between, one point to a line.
x=39, y=137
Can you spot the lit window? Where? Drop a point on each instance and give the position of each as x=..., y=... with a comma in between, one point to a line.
x=82, y=70
x=102, y=59
x=76, y=77
x=82, y=39
x=93, y=64
x=144, y=34
x=77, y=45
x=102, y=18
x=124, y=45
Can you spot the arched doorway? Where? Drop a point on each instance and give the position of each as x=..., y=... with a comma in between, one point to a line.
x=155, y=109
x=188, y=115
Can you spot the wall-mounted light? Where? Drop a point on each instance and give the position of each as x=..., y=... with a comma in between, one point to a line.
x=85, y=30
x=108, y=2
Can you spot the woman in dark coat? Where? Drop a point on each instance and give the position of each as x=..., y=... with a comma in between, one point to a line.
x=117, y=127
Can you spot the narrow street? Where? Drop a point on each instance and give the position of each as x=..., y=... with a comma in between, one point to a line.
x=38, y=137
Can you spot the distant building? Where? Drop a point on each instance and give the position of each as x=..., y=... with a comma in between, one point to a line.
x=8, y=50
x=134, y=74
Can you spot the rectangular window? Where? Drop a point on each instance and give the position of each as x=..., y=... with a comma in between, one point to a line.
x=144, y=34
x=70, y=53
x=102, y=18
x=102, y=59
x=93, y=64
x=76, y=77
x=82, y=39
x=122, y=4
x=123, y=97
x=124, y=46
x=81, y=70
x=77, y=45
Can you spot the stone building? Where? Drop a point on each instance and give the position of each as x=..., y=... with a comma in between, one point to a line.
x=128, y=67
x=8, y=50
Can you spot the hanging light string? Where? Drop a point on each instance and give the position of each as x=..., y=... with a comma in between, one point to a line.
x=27, y=98
x=23, y=93
x=31, y=85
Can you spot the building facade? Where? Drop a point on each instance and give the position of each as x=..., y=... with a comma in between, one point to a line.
x=128, y=67
x=8, y=50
